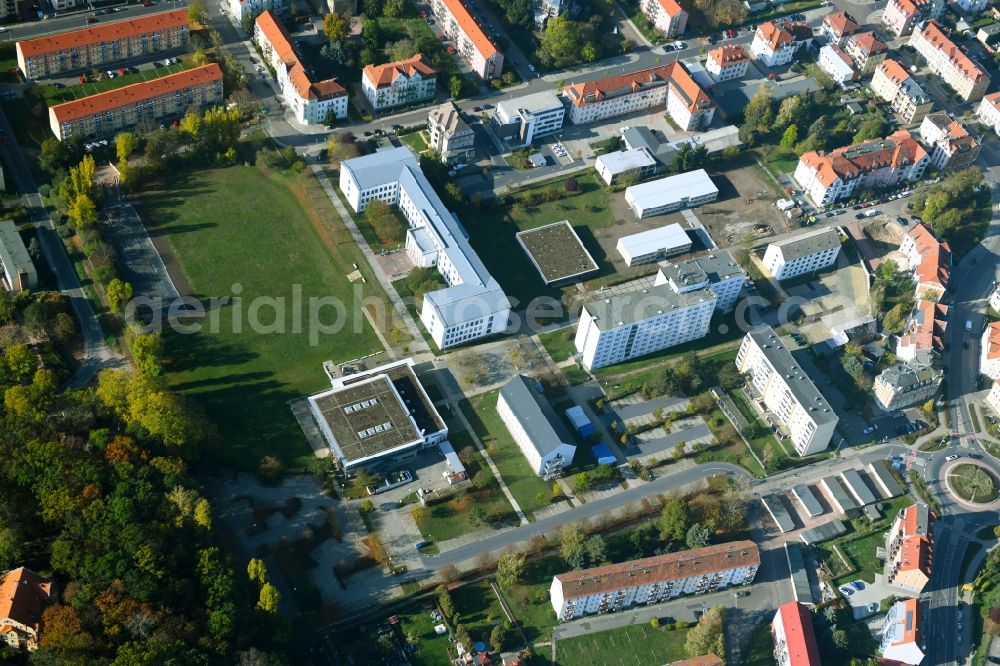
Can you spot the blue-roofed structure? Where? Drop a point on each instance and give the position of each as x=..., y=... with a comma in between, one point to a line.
x=583, y=426
x=603, y=455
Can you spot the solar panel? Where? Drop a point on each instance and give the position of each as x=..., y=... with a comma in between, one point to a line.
x=909, y=620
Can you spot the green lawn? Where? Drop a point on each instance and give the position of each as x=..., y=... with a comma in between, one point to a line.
x=8, y=60
x=479, y=608
x=972, y=483
x=358, y=645
x=415, y=140
x=241, y=226
x=559, y=343
x=734, y=452
x=431, y=650
x=523, y=483
x=52, y=95
x=861, y=553
x=782, y=160
x=636, y=645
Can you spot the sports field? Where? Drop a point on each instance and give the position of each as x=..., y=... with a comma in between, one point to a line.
x=243, y=232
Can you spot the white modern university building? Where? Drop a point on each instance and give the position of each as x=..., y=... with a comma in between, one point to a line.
x=535, y=427
x=472, y=305
x=783, y=386
x=377, y=417
x=653, y=580
x=665, y=195
x=520, y=120
x=652, y=245
x=625, y=326
x=801, y=254
x=636, y=164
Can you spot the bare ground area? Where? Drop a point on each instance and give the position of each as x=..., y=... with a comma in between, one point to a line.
x=745, y=199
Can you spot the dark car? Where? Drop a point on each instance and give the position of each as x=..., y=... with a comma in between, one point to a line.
x=91, y=19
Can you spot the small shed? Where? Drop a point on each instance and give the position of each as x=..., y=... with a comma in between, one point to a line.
x=583, y=426
x=603, y=454
x=537, y=160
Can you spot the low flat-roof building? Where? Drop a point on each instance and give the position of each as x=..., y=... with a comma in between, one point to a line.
x=803, y=253
x=653, y=579
x=855, y=483
x=535, y=427
x=878, y=471
x=793, y=636
x=840, y=499
x=775, y=506
x=377, y=417
x=629, y=165
x=807, y=498
x=652, y=245
x=685, y=190
x=824, y=532
x=556, y=252
x=642, y=137
x=799, y=573
x=16, y=268
x=521, y=120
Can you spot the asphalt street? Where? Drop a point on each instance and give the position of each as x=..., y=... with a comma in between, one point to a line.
x=78, y=19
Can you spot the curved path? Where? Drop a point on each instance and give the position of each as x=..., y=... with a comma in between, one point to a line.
x=945, y=473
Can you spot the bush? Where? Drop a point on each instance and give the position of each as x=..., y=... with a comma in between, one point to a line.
x=270, y=470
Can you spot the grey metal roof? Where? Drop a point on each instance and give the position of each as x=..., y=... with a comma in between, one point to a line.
x=858, y=487
x=13, y=255
x=798, y=381
x=628, y=308
x=535, y=415
x=643, y=137
x=449, y=117
x=775, y=506
x=811, y=242
x=839, y=494
x=801, y=587
x=884, y=480
x=669, y=237
x=807, y=498
x=534, y=103
x=380, y=167
x=823, y=532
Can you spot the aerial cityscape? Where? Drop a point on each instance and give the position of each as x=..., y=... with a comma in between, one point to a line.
x=500, y=332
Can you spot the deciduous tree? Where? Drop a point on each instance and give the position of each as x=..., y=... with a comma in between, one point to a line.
x=337, y=27
x=510, y=568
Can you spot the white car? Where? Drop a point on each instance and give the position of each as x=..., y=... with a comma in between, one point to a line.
x=951, y=457
x=3, y=28
x=869, y=430
x=531, y=67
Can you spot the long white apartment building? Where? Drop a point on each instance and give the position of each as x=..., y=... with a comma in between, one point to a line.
x=905, y=95
x=827, y=177
x=727, y=62
x=482, y=55
x=988, y=111
x=473, y=305
x=667, y=16
x=786, y=391
x=535, y=427
x=793, y=636
x=521, y=120
x=804, y=253
x=949, y=62
x=671, y=85
x=632, y=324
x=652, y=580
x=399, y=83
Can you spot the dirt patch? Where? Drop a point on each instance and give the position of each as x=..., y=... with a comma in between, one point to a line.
x=745, y=199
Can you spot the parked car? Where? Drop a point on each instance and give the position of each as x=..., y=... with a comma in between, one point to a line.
x=422, y=544
x=857, y=584
x=845, y=590
x=951, y=457
x=451, y=50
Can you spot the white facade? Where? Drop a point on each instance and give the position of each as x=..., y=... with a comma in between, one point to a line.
x=786, y=391
x=773, y=45
x=993, y=398
x=399, y=83
x=653, y=245
x=473, y=305
x=630, y=325
x=805, y=253
x=995, y=299
x=988, y=111
x=793, y=636
x=243, y=9
x=666, y=16
x=900, y=641
x=727, y=63
x=449, y=134
x=482, y=56
x=948, y=62
x=637, y=163
x=989, y=356
x=719, y=272
x=836, y=64
x=523, y=119
x=665, y=195
x=546, y=449
x=907, y=98
x=951, y=146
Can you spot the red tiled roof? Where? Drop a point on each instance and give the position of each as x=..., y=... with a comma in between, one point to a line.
x=898, y=150
x=662, y=568
x=927, y=326
x=107, y=32
x=932, y=33
x=994, y=99
x=893, y=70
x=674, y=73
x=800, y=640
x=993, y=340
x=137, y=92
x=671, y=7
x=384, y=75
x=868, y=43
x=23, y=595
x=840, y=23
x=773, y=35
x=935, y=257
x=471, y=29
x=729, y=55
x=279, y=39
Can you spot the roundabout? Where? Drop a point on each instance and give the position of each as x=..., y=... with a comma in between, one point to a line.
x=972, y=484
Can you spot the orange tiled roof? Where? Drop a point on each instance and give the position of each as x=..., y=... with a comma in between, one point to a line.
x=671, y=7
x=933, y=34
x=384, y=75
x=800, y=640
x=471, y=28
x=911, y=631
x=662, y=568
x=279, y=39
x=23, y=595
x=674, y=73
x=774, y=36
x=893, y=70
x=840, y=23
x=897, y=150
x=927, y=326
x=704, y=660
x=868, y=43
x=935, y=257
x=994, y=99
x=107, y=32
x=915, y=555
x=137, y=92
x=729, y=55
x=993, y=340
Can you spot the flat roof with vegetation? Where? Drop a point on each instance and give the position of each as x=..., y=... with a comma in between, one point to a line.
x=557, y=252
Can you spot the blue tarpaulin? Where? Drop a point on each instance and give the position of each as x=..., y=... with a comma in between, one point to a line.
x=603, y=454
x=580, y=422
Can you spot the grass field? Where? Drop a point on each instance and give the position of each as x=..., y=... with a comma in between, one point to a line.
x=479, y=608
x=972, y=483
x=559, y=343
x=636, y=645
x=524, y=484
x=53, y=95
x=415, y=140
x=223, y=237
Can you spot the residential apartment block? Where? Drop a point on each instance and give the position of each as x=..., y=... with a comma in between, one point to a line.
x=521, y=120
x=946, y=60
x=972, y=7
x=909, y=550
x=905, y=95
x=929, y=259
x=671, y=85
x=793, y=636
x=449, y=134
x=876, y=163
x=629, y=325
x=473, y=305
x=924, y=331
x=104, y=44
x=993, y=397
x=901, y=640
x=243, y=10
x=652, y=580
x=775, y=44
x=866, y=51
x=838, y=26
x=951, y=146
x=804, y=253
x=900, y=17
x=535, y=427
x=482, y=56
x=23, y=596
x=377, y=418
x=632, y=165
x=727, y=62
x=989, y=355
x=399, y=83
x=907, y=384
x=17, y=271
x=312, y=102
x=719, y=272
x=988, y=111
x=143, y=105
x=667, y=16
x=837, y=64
x=786, y=391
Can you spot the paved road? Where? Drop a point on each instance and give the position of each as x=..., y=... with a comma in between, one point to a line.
x=74, y=20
